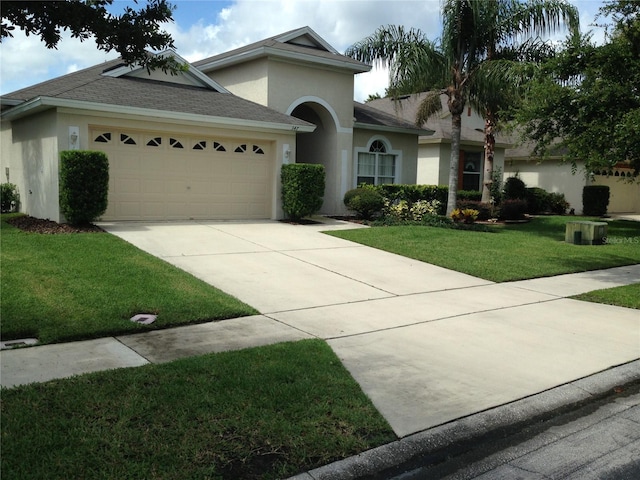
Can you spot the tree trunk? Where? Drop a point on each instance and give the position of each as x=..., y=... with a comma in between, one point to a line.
x=456, y=107
x=456, y=127
x=489, y=152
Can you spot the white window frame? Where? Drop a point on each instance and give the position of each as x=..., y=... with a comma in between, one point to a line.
x=389, y=151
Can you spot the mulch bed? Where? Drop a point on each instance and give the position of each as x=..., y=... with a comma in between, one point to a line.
x=39, y=225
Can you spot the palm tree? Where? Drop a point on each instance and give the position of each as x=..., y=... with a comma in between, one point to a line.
x=475, y=61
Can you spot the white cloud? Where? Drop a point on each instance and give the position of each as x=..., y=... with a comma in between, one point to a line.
x=201, y=31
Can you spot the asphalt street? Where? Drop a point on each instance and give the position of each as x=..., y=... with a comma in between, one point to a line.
x=600, y=440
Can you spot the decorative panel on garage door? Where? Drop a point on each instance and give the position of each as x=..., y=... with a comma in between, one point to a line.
x=164, y=176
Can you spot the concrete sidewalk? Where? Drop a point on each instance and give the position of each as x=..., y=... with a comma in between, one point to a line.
x=427, y=345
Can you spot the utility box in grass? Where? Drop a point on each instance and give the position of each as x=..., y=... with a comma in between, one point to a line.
x=586, y=233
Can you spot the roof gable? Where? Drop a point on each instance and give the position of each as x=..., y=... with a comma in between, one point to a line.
x=302, y=45
x=190, y=76
x=305, y=37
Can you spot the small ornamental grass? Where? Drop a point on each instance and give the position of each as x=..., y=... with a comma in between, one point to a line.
x=467, y=215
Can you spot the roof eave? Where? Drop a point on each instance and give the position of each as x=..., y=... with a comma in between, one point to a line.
x=384, y=128
x=472, y=143
x=265, y=51
x=44, y=103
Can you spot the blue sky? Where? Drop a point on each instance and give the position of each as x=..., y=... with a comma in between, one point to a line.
x=202, y=28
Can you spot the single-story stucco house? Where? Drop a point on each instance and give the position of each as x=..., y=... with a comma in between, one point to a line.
x=209, y=142
x=552, y=173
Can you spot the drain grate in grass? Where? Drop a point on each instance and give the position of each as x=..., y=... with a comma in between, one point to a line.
x=144, y=318
x=20, y=342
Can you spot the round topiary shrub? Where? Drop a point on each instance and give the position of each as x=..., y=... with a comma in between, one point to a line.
x=538, y=200
x=514, y=188
x=558, y=204
x=366, y=202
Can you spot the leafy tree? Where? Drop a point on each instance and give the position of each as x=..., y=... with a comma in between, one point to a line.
x=129, y=33
x=586, y=100
x=474, y=61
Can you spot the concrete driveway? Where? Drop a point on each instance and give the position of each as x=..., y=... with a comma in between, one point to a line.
x=427, y=345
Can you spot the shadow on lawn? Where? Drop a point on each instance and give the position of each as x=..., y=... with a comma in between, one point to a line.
x=600, y=268
x=554, y=227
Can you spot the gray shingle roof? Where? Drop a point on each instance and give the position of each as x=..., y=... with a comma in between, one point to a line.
x=90, y=85
x=364, y=114
x=407, y=108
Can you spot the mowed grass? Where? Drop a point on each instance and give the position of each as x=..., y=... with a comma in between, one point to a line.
x=626, y=296
x=506, y=253
x=72, y=286
x=262, y=413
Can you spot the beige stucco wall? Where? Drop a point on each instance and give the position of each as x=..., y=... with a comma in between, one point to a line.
x=282, y=142
x=624, y=196
x=247, y=80
x=290, y=83
x=33, y=164
x=433, y=164
x=329, y=92
x=434, y=160
x=283, y=86
x=6, y=154
x=30, y=148
x=552, y=175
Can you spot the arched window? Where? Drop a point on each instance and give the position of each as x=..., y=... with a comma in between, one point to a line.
x=376, y=167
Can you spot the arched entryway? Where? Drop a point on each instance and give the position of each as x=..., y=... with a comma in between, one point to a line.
x=319, y=147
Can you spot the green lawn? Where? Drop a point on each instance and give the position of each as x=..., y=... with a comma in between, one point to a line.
x=71, y=286
x=261, y=413
x=512, y=252
x=627, y=296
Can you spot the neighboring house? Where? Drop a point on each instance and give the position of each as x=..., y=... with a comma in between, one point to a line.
x=551, y=174
x=434, y=152
x=554, y=175
x=209, y=142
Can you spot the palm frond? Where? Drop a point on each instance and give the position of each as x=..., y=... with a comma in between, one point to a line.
x=415, y=63
x=429, y=106
x=540, y=18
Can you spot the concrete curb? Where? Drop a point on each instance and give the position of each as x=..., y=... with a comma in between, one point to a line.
x=436, y=444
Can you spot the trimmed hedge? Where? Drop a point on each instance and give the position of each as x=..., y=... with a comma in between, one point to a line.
x=469, y=195
x=595, y=200
x=302, y=189
x=514, y=188
x=84, y=185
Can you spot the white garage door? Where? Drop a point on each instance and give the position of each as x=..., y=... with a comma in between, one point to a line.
x=160, y=176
